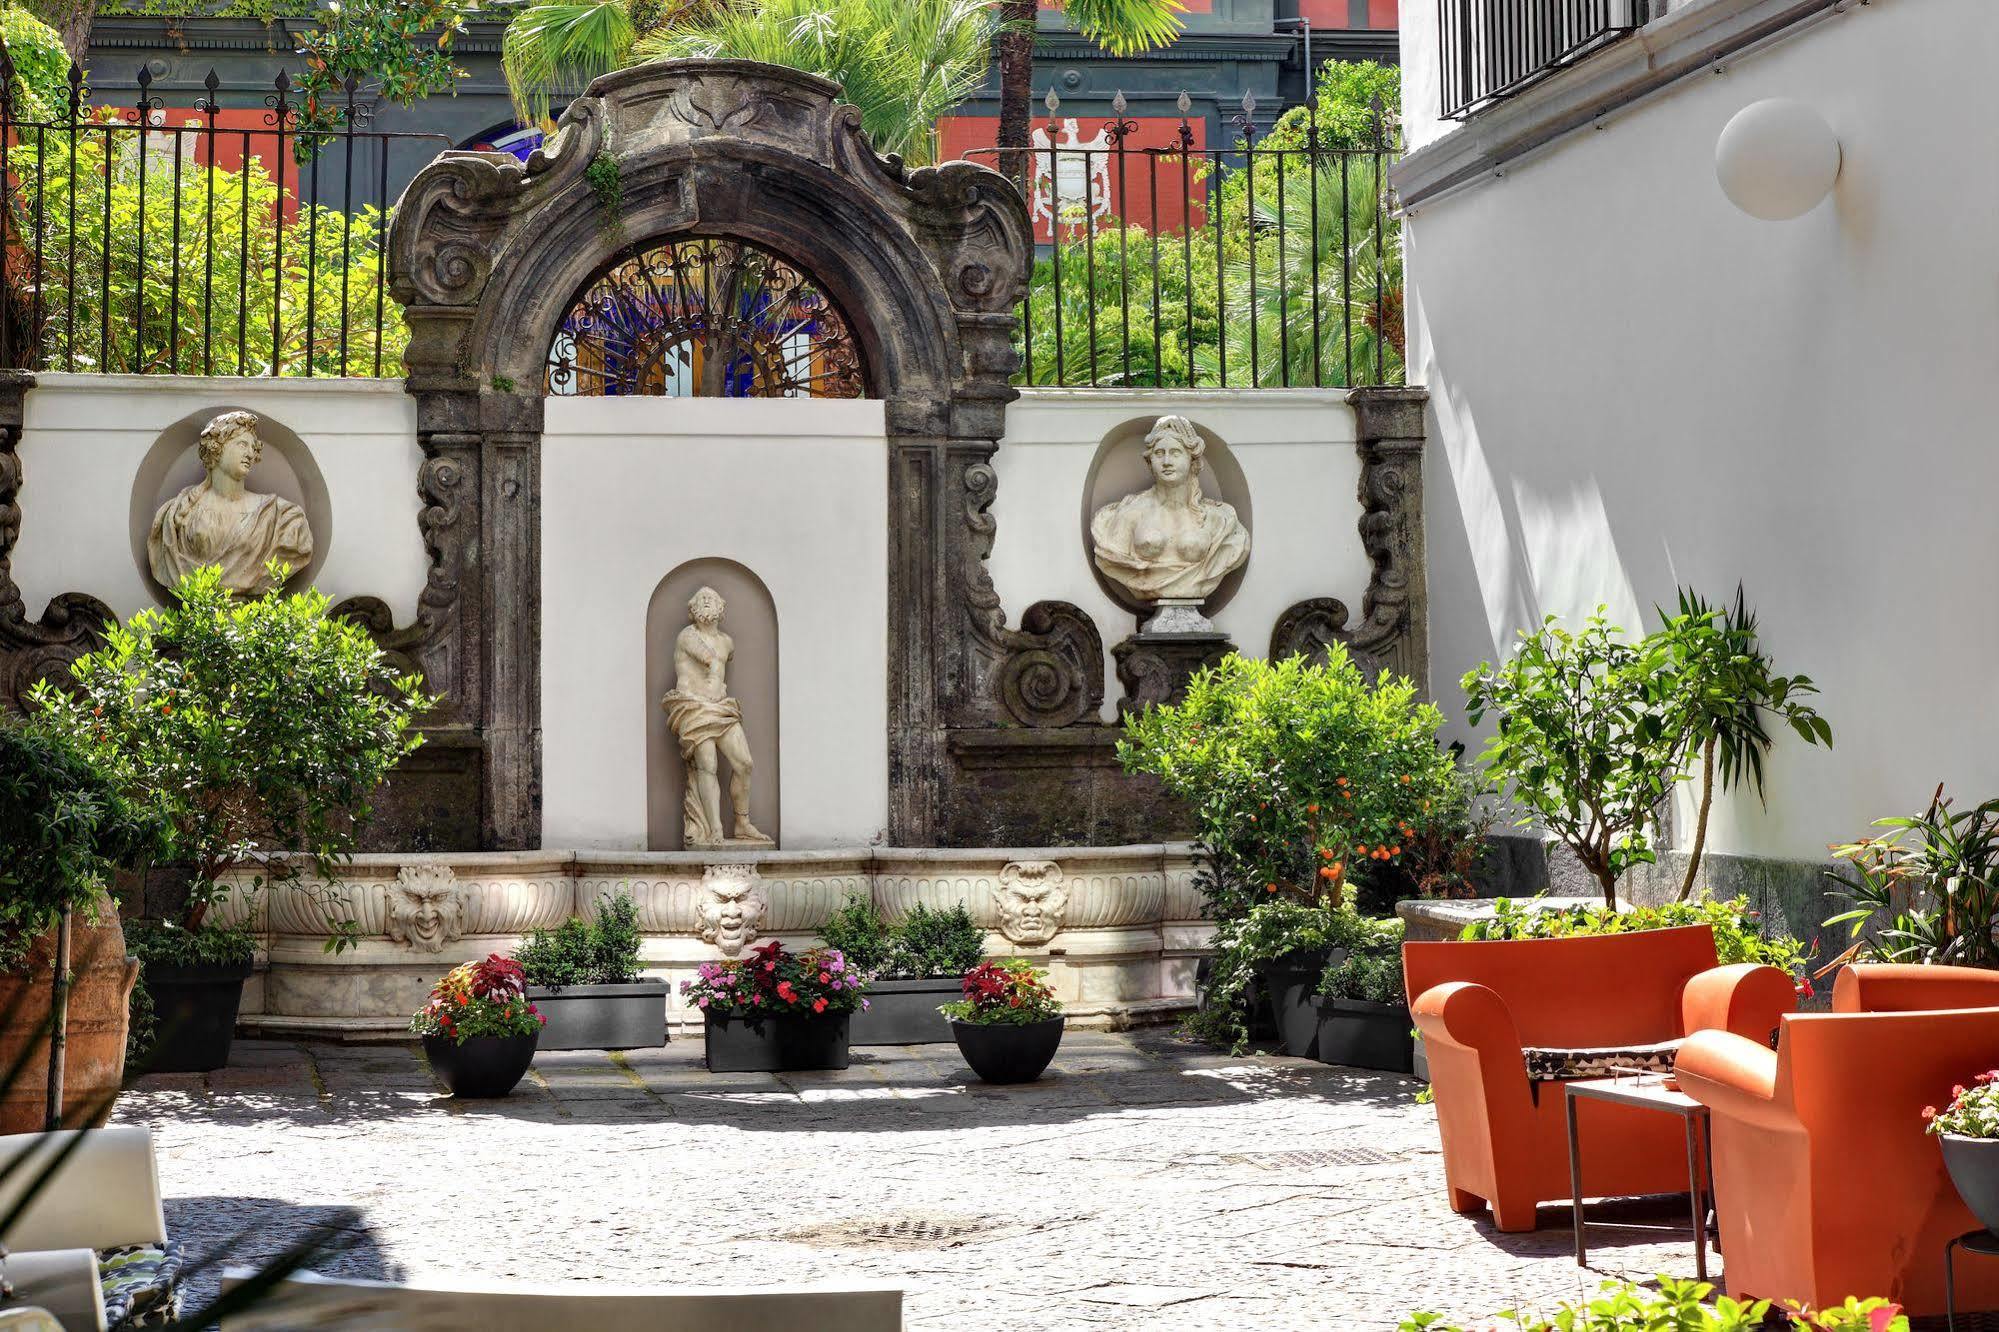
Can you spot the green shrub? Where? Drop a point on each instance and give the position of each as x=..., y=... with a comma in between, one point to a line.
x=926, y=945
x=604, y=951
x=255, y=730
x=1372, y=967
x=1304, y=779
x=1678, y=1306
x=1738, y=934
x=66, y=829
x=1267, y=931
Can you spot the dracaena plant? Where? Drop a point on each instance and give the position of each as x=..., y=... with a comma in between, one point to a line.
x=1723, y=696
x=256, y=731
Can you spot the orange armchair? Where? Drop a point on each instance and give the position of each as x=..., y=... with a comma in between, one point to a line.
x=1826, y=1184
x=1479, y=1006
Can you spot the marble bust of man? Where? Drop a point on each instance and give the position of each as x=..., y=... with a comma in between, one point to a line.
x=1170, y=545
x=220, y=521
x=709, y=726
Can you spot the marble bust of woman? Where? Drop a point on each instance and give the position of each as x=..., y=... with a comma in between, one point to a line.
x=219, y=521
x=1170, y=545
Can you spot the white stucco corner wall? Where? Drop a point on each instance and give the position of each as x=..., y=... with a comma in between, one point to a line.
x=1296, y=448
x=794, y=490
x=84, y=438
x=1634, y=386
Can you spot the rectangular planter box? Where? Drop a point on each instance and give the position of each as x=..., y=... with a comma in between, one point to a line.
x=904, y=1012
x=1358, y=1034
x=775, y=1044
x=602, y=1017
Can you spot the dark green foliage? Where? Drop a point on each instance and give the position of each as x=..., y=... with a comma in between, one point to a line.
x=604, y=951
x=1372, y=967
x=64, y=829
x=1266, y=932
x=933, y=944
x=1927, y=890
x=927, y=945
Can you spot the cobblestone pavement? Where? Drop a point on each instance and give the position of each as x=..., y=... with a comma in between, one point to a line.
x=1144, y=1183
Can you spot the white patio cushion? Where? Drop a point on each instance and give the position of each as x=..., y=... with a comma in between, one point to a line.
x=107, y=1193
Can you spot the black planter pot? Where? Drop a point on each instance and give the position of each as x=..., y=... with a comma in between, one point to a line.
x=1973, y=1164
x=904, y=1012
x=786, y=1043
x=1358, y=1034
x=1291, y=982
x=484, y=1067
x=194, y=1015
x=1003, y=1052
x=602, y=1017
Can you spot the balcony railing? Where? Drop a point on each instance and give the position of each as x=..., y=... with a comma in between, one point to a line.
x=1493, y=49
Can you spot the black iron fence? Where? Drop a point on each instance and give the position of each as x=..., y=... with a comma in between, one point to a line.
x=1273, y=262
x=197, y=239
x=1495, y=48
x=245, y=240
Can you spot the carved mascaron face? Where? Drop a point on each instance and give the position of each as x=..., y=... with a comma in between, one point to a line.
x=1031, y=901
x=426, y=910
x=730, y=914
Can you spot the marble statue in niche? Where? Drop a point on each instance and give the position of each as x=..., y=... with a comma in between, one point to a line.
x=219, y=521
x=1169, y=546
x=709, y=726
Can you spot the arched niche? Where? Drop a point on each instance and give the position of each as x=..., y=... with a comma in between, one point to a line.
x=751, y=620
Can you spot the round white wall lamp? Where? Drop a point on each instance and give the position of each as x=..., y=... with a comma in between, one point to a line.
x=1777, y=159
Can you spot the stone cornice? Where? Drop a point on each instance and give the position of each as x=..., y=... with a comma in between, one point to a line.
x=1684, y=42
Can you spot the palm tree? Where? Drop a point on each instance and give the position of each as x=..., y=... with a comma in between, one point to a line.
x=903, y=63
x=1122, y=27
x=569, y=42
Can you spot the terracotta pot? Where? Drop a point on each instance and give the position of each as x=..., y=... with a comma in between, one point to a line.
x=94, y=1061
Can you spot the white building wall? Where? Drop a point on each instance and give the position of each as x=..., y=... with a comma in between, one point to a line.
x=85, y=437
x=794, y=490
x=1296, y=451
x=1635, y=386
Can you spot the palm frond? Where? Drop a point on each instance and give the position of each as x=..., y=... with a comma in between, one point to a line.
x=1126, y=27
x=551, y=46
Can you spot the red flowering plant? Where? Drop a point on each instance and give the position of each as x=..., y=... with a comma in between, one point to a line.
x=773, y=981
x=486, y=998
x=1010, y=992
x=1973, y=1111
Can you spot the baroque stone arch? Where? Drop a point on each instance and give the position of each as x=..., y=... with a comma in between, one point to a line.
x=926, y=264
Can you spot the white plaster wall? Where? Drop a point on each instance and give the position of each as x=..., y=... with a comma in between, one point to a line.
x=1296, y=450
x=85, y=436
x=794, y=490
x=1635, y=386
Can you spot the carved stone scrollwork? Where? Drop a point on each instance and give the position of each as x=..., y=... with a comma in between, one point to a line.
x=428, y=645
x=1310, y=629
x=1155, y=669
x=1394, y=627
x=1053, y=671
x=426, y=908
x=73, y=623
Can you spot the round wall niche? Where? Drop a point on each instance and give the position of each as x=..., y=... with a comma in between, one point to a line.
x=1119, y=469
x=286, y=469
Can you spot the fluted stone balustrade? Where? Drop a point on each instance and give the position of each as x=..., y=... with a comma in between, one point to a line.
x=1119, y=928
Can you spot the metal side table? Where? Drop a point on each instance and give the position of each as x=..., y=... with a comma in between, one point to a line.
x=1647, y=1091
x=1982, y=1242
